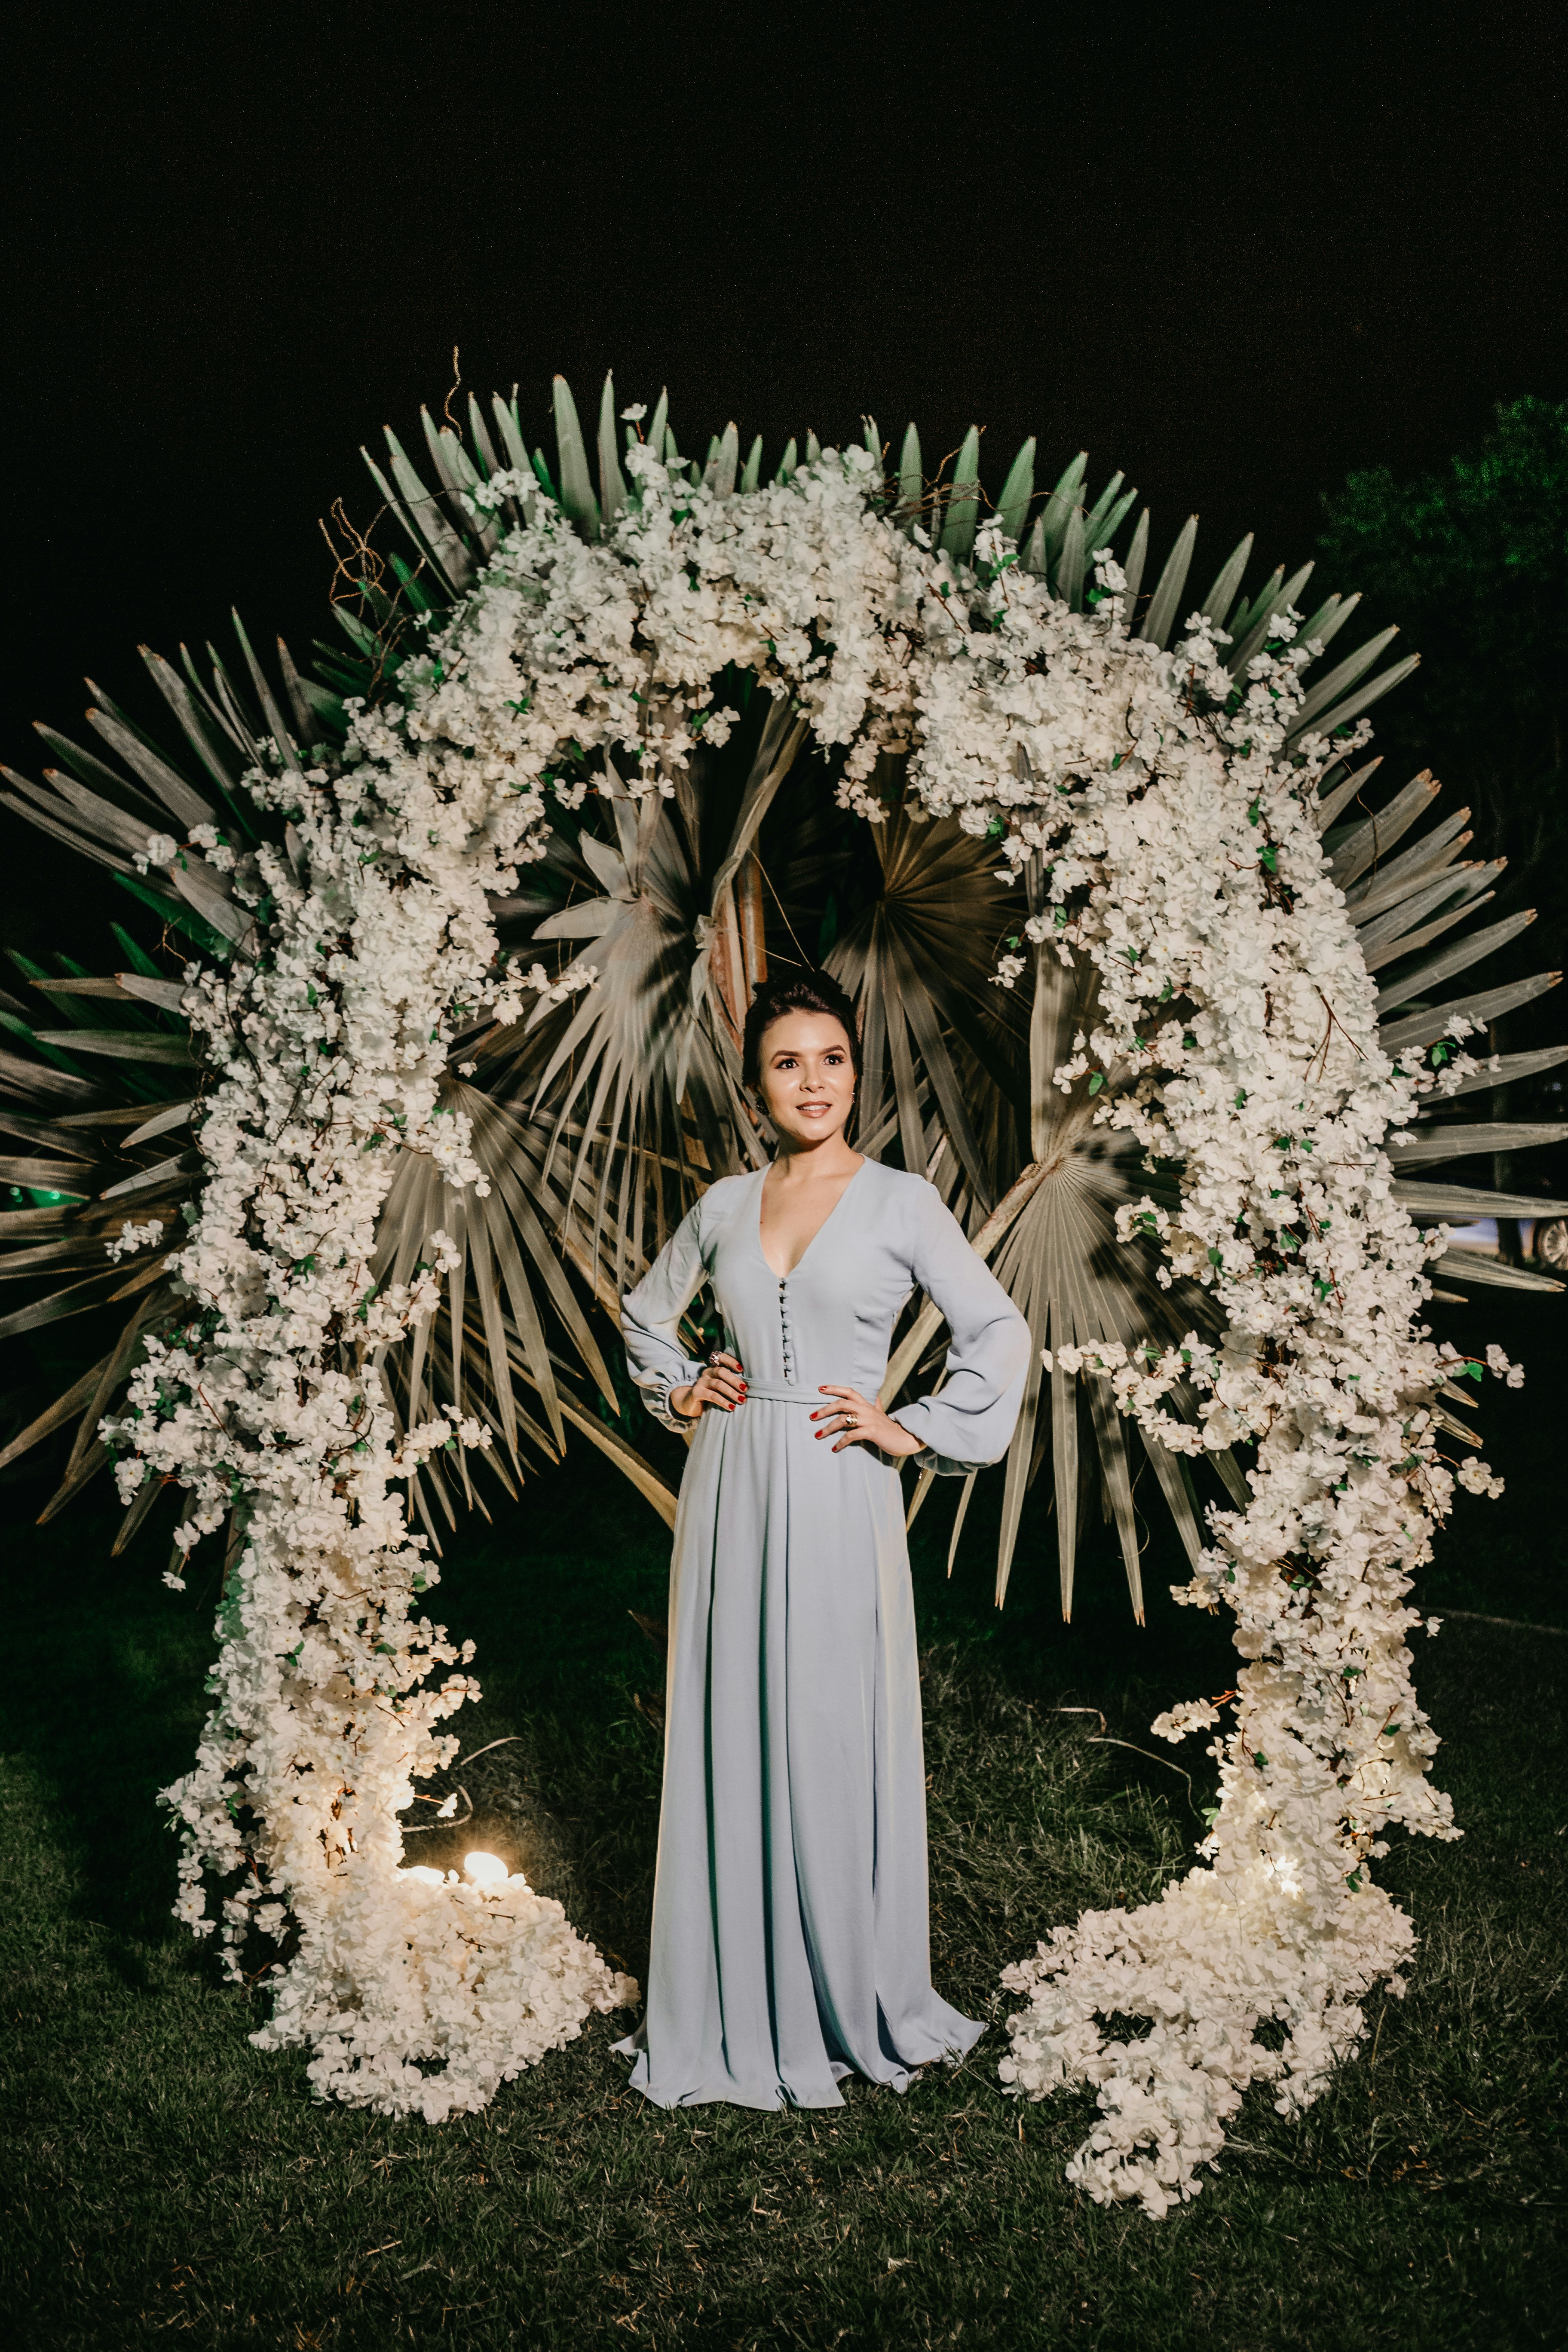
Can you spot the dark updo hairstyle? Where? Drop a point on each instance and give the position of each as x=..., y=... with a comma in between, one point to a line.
x=802, y=992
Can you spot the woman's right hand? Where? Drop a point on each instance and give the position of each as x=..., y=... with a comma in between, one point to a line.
x=721, y=1382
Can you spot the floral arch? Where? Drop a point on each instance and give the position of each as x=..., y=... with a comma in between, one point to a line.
x=468, y=920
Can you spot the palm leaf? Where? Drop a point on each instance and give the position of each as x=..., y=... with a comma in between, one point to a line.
x=1167, y=596
x=1401, y=906
x=963, y=501
x=599, y=1120
x=918, y=962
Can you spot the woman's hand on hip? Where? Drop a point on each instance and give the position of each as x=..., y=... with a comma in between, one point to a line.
x=855, y=1419
x=721, y=1382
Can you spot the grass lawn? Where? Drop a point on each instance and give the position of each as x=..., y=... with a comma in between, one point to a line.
x=165, y=2178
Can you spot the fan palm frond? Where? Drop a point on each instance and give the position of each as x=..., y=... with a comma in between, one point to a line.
x=107, y=1077
x=517, y=1366
x=93, y=1164
x=599, y=1119
x=1401, y=906
x=1052, y=1243
x=510, y=1292
x=918, y=962
x=643, y=1071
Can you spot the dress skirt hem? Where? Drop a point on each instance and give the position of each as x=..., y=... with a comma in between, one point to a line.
x=772, y=2097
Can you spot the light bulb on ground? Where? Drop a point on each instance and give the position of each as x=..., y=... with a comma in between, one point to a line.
x=422, y=1872
x=486, y=1869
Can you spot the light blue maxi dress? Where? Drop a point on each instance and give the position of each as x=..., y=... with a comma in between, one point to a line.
x=791, y=1939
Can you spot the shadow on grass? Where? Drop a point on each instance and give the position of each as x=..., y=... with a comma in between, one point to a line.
x=104, y=1693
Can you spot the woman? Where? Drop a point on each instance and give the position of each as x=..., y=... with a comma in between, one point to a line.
x=791, y=1944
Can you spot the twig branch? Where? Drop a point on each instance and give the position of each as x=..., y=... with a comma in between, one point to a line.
x=1107, y=1741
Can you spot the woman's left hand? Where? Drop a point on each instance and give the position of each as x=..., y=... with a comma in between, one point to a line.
x=856, y=1420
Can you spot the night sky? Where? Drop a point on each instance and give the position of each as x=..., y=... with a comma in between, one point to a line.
x=1237, y=253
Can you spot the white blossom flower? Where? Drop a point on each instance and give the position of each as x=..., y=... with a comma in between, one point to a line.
x=1191, y=1715
x=135, y=1238
x=1142, y=798
x=161, y=849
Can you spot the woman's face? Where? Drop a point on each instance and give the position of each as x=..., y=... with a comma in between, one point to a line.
x=807, y=1077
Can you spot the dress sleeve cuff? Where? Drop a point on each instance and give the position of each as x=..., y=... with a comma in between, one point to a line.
x=657, y=1398
x=913, y=1417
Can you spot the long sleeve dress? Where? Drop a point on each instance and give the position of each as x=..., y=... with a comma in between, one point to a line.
x=791, y=1941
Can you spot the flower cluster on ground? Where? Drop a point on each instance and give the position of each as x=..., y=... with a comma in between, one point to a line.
x=1238, y=1042
x=1168, y=836
x=326, y=1042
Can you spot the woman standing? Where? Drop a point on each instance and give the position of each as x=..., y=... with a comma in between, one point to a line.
x=791, y=1944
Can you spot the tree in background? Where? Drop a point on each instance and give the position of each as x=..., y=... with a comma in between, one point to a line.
x=1475, y=561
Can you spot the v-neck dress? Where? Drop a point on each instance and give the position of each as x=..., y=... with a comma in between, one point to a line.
x=791, y=1942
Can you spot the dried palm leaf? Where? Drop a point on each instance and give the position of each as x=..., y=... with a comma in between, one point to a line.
x=598, y=1121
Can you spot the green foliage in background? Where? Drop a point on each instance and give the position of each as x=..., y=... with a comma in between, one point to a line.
x=1473, y=563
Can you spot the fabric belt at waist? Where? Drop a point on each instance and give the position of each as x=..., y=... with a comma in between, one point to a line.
x=767, y=1392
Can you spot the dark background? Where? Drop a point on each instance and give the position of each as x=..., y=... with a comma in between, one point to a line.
x=1236, y=253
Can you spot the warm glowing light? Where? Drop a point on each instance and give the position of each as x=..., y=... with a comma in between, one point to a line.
x=423, y=1872
x=485, y=1869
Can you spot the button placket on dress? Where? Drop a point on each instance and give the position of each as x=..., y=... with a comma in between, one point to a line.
x=784, y=1331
